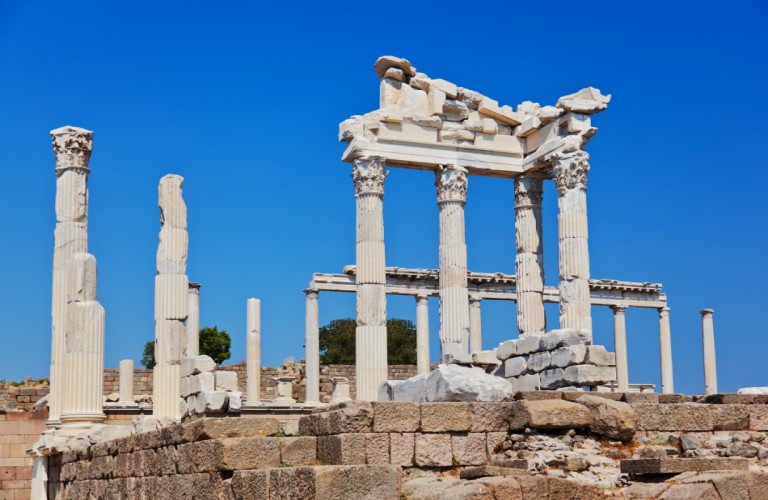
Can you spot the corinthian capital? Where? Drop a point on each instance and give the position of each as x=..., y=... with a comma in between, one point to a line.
x=529, y=189
x=570, y=169
x=72, y=146
x=451, y=183
x=369, y=174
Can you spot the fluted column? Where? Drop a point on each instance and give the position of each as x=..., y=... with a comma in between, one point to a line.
x=451, y=183
x=82, y=389
x=665, y=347
x=529, y=261
x=422, y=334
x=620, y=346
x=708, y=341
x=253, y=352
x=193, y=321
x=312, y=347
x=171, y=299
x=570, y=170
x=475, y=325
x=371, y=332
x=126, y=381
x=73, y=148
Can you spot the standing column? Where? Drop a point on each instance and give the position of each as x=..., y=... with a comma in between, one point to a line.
x=665, y=346
x=171, y=299
x=422, y=334
x=708, y=341
x=193, y=321
x=371, y=332
x=475, y=325
x=82, y=391
x=253, y=352
x=529, y=261
x=570, y=169
x=73, y=148
x=620, y=345
x=451, y=183
x=312, y=348
x=126, y=381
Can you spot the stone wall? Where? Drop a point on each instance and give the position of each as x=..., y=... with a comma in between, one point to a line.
x=22, y=396
x=18, y=431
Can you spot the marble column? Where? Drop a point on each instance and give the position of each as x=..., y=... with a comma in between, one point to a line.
x=475, y=325
x=422, y=334
x=253, y=352
x=531, y=319
x=620, y=346
x=193, y=321
x=171, y=299
x=126, y=381
x=451, y=183
x=312, y=347
x=371, y=332
x=570, y=171
x=73, y=148
x=665, y=346
x=708, y=341
x=83, y=380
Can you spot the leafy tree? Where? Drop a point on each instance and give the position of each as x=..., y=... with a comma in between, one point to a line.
x=337, y=342
x=213, y=343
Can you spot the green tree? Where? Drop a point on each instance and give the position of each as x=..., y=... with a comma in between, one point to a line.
x=337, y=342
x=213, y=343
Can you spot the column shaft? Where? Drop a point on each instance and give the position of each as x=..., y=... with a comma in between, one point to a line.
x=708, y=342
x=620, y=345
x=126, y=380
x=665, y=346
x=371, y=332
x=475, y=325
x=451, y=183
x=531, y=319
x=422, y=334
x=253, y=352
x=193, y=321
x=312, y=348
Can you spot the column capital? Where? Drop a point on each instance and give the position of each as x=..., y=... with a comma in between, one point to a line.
x=529, y=189
x=194, y=287
x=369, y=175
x=474, y=301
x=707, y=312
x=73, y=147
x=451, y=183
x=619, y=309
x=312, y=293
x=663, y=311
x=421, y=298
x=570, y=169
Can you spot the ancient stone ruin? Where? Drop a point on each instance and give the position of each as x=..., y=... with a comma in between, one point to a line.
x=548, y=414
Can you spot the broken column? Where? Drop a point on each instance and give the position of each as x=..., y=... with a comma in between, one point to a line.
x=73, y=148
x=451, y=183
x=620, y=346
x=371, y=333
x=475, y=325
x=171, y=299
x=665, y=348
x=422, y=334
x=126, y=381
x=83, y=374
x=312, y=348
x=571, y=167
x=708, y=341
x=529, y=261
x=253, y=352
x=193, y=321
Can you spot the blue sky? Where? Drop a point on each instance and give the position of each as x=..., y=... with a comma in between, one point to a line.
x=244, y=101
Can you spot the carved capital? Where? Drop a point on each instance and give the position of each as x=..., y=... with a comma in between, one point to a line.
x=72, y=146
x=451, y=183
x=529, y=190
x=619, y=309
x=663, y=312
x=369, y=175
x=422, y=298
x=312, y=293
x=707, y=312
x=570, y=170
x=474, y=301
x=194, y=288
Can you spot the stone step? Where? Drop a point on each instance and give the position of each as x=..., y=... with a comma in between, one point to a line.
x=491, y=470
x=677, y=465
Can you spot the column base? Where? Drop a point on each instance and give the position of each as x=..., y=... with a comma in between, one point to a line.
x=370, y=361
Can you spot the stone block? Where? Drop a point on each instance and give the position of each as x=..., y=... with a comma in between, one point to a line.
x=166, y=461
x=226, y=380
x=758, y=485
x=364, y=482
x=377, y=448
x=529, y=344
x=301, y=450
x=700, y=491
x=211, y=401
x=402, y=448
x=469, y=449
x=570, y=355
x=494, y=442
x=589, y=374
x=539, y=361
x=250, y=453
x=673, y=398
x=640, y=397
x=251, y=484
x=396, y=417
x=550, y=414
x=142, y=463
x=673, y=417
x=597, y=355
x=220, y=428
x=726, y=417
x=515, y=366
x=450, y=382
x=758, y=417
x=490, y=417
x=506, y=349
x=433, y=450
x=445, y=417
x=527, y=383
x=235, y=403
x=315, y=425
x=201, y=382
x=552, y=379
x=202, y=456
x=555, y=339
x=341, y=449
x=679, y=465
x=351, y=416
x=184, y=386
x=612, y=419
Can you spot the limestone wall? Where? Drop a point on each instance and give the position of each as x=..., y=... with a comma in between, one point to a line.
x=22, y=396
x=18, y=431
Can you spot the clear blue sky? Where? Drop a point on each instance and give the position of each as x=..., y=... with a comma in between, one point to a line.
x=244, y=101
